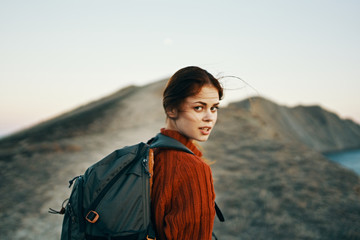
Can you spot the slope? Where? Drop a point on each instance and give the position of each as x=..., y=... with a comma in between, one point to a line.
x=273, y=186
x=312, y=125
x=270, y=178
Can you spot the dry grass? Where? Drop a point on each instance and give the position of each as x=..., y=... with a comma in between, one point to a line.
x=269, y=188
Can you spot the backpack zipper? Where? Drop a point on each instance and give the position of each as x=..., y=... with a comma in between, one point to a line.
x=80, y=203
x=70, y=220
x=145, y=164
x=147, y=193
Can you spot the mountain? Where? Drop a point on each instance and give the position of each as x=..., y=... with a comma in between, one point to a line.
x=273, y=183
x=271, y=180
x=319, y=129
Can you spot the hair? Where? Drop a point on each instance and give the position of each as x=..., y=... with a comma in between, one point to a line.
x=187, y=82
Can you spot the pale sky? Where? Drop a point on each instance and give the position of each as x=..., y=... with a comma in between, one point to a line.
x=57, y=55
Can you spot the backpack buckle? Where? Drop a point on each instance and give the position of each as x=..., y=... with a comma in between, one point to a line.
x=92, y=216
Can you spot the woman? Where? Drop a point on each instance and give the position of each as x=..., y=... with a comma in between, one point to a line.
x=183, y=194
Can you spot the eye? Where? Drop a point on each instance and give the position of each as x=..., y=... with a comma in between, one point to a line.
x=198, y=108
x=214, y=109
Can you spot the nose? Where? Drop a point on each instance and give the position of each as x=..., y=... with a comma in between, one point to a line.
x=210, y=116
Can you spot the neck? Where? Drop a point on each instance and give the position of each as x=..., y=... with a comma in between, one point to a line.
x=171, y=124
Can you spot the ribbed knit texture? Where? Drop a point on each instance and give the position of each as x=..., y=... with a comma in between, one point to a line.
x=183, y=197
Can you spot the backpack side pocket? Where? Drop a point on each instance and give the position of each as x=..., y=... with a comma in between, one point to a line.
x=73, y=227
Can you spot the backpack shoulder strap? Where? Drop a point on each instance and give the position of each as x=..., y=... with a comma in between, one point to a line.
x=219, y=213
x=162, y=141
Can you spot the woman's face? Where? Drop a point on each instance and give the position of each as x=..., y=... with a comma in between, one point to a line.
x=197, y=115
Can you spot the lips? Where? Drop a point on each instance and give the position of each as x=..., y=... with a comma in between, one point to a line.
x=205, y=130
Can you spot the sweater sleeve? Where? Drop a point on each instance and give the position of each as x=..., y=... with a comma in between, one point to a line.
x=184, y=200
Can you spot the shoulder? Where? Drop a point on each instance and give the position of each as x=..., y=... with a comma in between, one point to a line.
x=176, y=171
x=179, y=160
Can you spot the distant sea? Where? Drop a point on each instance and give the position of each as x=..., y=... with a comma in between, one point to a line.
x=349, y=159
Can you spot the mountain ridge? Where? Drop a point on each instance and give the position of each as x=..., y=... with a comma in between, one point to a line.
x=271, y=181
x=313, y=125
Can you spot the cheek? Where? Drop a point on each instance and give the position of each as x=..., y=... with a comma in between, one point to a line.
x=215, y=118
x=196, y=117
x=190, y=117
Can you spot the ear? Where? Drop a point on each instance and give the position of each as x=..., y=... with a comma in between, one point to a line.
x=172, y=113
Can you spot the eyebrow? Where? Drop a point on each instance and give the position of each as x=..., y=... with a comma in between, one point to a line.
x=203, y=103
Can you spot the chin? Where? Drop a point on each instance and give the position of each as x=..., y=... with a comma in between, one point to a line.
x=202, y=139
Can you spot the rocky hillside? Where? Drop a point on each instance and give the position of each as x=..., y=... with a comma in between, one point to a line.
x=319, y=129
x=271, y=180
x=273, y=185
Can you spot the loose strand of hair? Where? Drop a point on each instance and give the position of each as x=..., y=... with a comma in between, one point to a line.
x=251, y=99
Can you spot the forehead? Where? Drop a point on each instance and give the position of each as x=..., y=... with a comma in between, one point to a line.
x=208, y=94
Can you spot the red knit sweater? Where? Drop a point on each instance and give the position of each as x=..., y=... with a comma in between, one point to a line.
x=183, y=197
